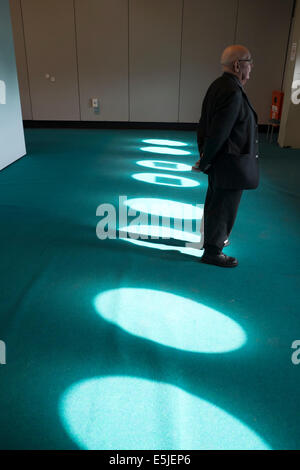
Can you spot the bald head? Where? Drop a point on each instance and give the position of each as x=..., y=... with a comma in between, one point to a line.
x=234, y=60
x=233, y=53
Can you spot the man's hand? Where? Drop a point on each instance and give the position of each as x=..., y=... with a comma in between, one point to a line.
x=196, y=167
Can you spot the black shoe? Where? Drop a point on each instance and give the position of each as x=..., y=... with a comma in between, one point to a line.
x=226, y=243
x=220, y=260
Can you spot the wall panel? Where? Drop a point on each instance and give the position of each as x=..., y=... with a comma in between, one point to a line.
x=208, y=28
x=49, y=28
x=154, y=58
x=102, y=45
x=263, y=26
x=17, y=24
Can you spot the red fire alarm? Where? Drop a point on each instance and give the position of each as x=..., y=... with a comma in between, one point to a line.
x=276, y=108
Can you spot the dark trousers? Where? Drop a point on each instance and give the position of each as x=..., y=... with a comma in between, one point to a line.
x=220, y=211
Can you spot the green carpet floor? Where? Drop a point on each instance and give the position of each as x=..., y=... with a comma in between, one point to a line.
x=74, y=378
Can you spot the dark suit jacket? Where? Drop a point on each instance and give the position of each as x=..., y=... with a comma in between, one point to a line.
x=228, y=135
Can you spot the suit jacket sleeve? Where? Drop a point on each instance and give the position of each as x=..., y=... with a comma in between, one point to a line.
x=223, y=119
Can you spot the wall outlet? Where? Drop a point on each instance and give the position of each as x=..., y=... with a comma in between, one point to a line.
x=2, y=92
x=96, y=105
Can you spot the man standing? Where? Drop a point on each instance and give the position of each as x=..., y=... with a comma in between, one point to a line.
x=228, y=146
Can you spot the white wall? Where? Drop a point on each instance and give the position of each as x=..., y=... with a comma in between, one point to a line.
x=21, y=59
x=102, y=51
x=154, y=47
x=145, y=60
x=208, y=28
x=289, y=133
x=264, y=26
x=49, y=30
x=12, y=144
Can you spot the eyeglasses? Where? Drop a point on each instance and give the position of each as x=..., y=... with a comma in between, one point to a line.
x=247, y=60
